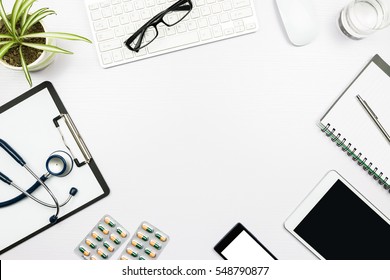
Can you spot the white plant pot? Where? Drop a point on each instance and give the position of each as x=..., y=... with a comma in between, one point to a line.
x=45, y=59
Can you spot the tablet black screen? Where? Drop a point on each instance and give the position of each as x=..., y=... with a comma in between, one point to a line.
x=343, y=227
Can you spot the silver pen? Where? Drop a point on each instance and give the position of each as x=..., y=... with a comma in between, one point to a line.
x=373, y=117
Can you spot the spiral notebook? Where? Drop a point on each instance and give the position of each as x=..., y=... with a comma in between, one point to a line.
x=351, y=128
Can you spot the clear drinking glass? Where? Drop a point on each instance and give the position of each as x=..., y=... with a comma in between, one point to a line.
x=360, y=18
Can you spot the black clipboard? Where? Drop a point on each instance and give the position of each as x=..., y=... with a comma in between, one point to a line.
x=87, y=162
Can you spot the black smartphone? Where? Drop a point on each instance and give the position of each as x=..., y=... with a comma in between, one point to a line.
x=240, y=244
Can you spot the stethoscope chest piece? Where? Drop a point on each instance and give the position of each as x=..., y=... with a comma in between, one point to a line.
x=59, y=164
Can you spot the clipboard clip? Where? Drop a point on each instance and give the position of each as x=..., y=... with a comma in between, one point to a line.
x=76, y=136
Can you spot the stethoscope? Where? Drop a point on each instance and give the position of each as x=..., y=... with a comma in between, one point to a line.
x=59, y=164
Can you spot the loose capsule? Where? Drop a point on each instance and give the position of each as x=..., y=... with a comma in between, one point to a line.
x=102, y=254
x=147, y=228
x=97, y=236
x=121, y=232
x=124, y=258
x=108, y=221
x=90, y=244
x=150, y=253
x=84, y=251
x=131, y=252
x=136, y=244
x=103, y=229
x=155, y=244
x=161, y=237
x=142, y=236
x=115, y=239
x=142, y=258
x=93, y=258
x=108, y=246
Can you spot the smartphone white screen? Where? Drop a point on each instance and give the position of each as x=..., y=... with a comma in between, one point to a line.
x=244, y=247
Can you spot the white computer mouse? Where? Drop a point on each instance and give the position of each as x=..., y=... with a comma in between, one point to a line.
x=299, y=19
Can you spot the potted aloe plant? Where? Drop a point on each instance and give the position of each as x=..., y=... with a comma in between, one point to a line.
x=24, y=42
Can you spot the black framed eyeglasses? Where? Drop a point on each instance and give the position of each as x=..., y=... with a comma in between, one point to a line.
x=149, y=32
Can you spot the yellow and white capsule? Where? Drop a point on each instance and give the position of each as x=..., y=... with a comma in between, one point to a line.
x=131, y=252
x=108, y=246
x=121, y=232
x=96, y=236
x=84, y=251
x=124, y=258
x=136, y=244
x=142, y=236
x=101, y=253
x=150, y=253
x=161, y=237
x=103, y=229
x=147, y=228
x=93, y=258
x=108, y=221
x=90, y=243
x=115, y=239
x=155, y=244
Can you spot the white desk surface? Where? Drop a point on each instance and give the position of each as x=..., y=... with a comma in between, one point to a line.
x=198, y=140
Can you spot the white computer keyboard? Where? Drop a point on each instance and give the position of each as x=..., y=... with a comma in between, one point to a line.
x=113, y=22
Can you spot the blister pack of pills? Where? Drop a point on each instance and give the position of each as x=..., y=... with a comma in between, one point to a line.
x=103, y=240
x=147, y=243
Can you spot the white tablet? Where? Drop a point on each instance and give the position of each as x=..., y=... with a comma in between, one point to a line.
x=337, y=223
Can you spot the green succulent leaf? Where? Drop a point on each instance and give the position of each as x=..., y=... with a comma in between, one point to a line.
x=57, y=35
x=25, y=67
x=34, y=18
x=4, y=42
x=48, y=48
x=3, y=16
x=5, y=36
x=25, y=10
x=6, y=48
x=15, y=13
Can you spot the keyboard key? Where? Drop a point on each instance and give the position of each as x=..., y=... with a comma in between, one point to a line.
x=170, y=31
x=192, y=25
x=205, y=11
x=129, y=29
x=114, y=2
x=96, y=14
x=242, y=13
x=202, y=22
x=142, y=52
x=119, y=32
x=250, y=26
x=106, y=58
x=149, y=3
x=168, y=42
x=94, y=6
x=127, y=7
x=227, y=5
x=127, y=53
x=139, y=4
x=205, y=34
x=105, y=3
x=217, y=31
x=134, y=16
x=114, y=21
x=213, y=20
x=117, y=10
x=117, y=55
x=106, y=12
x=240, y=3
x=216, y=8
x=145, y=14
x=200, y=2
x=110, y=45
x=224, y=17
x=160, y=2
x=239, y=29
x=195, y=13
x=105, y=35
x=100, y=25
x=124, y=19
x=181, y=27
x=229, y=31
x=210, y=1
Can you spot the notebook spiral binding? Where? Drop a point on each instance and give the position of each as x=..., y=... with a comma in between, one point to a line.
x=351, y=152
